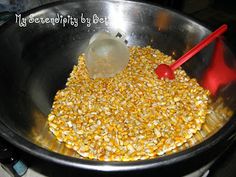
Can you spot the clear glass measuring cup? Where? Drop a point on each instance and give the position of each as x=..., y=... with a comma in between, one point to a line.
x=107, y=54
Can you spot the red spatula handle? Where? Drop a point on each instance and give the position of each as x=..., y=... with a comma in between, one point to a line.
x=199, y=47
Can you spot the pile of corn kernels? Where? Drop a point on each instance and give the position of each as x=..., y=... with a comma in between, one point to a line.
x=131, y=116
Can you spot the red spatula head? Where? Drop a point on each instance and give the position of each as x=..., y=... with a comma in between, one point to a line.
x=164, y=71
x=218, y=74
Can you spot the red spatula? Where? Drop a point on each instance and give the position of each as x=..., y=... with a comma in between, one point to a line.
x=167, y=71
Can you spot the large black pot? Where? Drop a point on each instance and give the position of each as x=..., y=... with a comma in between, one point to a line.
x=37, y=59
